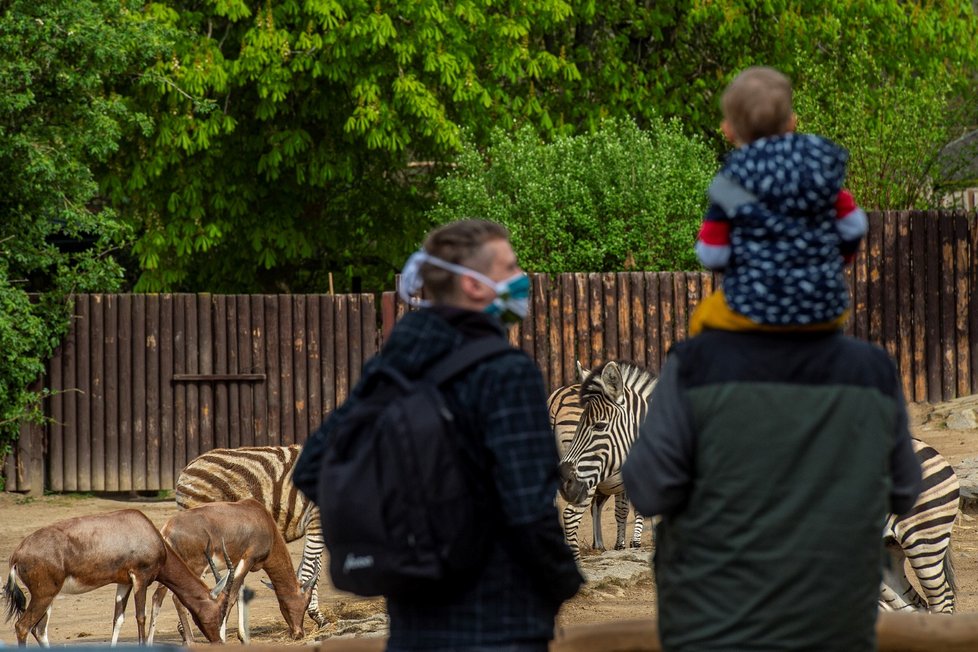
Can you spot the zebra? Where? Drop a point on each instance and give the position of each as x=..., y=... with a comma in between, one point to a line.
x=565, y=410
x=613, y=400
x=923, y=537
x=265, y=474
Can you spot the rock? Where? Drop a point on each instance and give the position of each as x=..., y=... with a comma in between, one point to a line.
x=965, y=419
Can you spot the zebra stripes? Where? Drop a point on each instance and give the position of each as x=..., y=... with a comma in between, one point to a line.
x=611, y=404
x=265, y=474
x=923, y=538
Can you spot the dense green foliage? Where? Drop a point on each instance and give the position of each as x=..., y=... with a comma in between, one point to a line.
x=616, y=199
x=296, y=138
x=60, y=118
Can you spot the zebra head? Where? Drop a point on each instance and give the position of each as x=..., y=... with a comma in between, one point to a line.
x=614, y=400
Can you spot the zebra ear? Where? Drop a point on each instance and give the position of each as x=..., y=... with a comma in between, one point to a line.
x=612, y=383
x=582, y=373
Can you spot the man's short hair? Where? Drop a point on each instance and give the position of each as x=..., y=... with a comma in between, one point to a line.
x=757, y=103
x=460, y=243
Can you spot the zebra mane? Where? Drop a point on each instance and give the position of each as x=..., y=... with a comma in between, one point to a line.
x=636, y=378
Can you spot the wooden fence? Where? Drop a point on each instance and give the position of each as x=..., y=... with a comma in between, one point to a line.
x=144, y=383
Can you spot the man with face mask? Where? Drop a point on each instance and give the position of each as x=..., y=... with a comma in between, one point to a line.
x=473, y=287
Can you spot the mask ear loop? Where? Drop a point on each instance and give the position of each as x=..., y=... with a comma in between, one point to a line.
x=411, y=281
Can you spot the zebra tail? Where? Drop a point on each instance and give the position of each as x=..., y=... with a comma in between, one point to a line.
x=949, y=568
x=13, y=596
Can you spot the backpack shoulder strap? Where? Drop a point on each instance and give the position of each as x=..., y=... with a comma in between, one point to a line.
x=466, y=356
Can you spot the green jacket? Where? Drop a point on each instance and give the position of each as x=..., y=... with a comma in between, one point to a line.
x=774, y=461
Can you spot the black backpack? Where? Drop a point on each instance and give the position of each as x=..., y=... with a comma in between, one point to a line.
x=402, y=500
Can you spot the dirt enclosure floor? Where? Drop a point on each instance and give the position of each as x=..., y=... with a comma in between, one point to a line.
x=620, y=586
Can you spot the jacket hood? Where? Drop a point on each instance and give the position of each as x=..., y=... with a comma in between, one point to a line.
x=794, y=172
x=422, y=337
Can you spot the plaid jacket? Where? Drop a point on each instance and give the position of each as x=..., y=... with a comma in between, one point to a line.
x=530, y=570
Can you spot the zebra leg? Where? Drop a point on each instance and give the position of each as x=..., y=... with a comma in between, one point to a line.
x=572, y=521
x=597, y=504
x=312, y=552
x=897, y=591
x=621, y=519
x=637, y=532
x=890, y=600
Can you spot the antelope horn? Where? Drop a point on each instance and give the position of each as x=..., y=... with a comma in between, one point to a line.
x=225, y=583
x=210, y=562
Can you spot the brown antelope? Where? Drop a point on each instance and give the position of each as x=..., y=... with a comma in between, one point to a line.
x=81, y=554
x=250, y=535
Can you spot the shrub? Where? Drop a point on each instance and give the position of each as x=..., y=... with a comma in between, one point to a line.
x=619, y=198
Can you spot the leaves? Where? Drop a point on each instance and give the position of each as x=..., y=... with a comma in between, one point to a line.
x=616, y=199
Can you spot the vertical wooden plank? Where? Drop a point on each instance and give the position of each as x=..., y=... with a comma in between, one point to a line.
x=582, y=315
x=849, y=270
x=636, y=281
x=273, y=371
x=693, y=292
x=963, y=289
x=181, y=455
x=314, y=407
x=286, y=387
x=666, y=313
x=596, y=311
x=973, y=298
x=388, y=313
x=152, y=348
x=259, y=428
x=97, y=369
x=354, y=333
x=247, y=393
x=205, y=351
x=568, y=328
x=83, y=402
x=918, y=270
x=860, y=308
x=168, y=466
x=527, y=335
x=192, y=367
x=654, y=354
x=624, y=317
x=56, y=430
x=139, y=443
x=125, y=345
x=341, y=347
x=609, y=297
x=903, y=254
x=327, y=353
x=220, y=392
x=556, y=361
x=679, y=303
x=933, y=312
x=222, y=398
x=890, y=282
x=949, y=379
x=541, y=329
x=874, y=279
x=300, y=398
x=370, y=342
x=234, y=390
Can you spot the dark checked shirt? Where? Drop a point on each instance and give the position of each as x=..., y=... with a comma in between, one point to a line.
x=530, y=570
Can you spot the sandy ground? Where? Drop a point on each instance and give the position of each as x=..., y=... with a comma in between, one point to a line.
x=87, y=618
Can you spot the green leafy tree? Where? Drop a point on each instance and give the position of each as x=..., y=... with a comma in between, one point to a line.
x=619, y=198
x=60, y=119
x=294, y=138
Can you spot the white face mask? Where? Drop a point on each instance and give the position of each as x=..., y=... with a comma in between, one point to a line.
x=512, y=300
